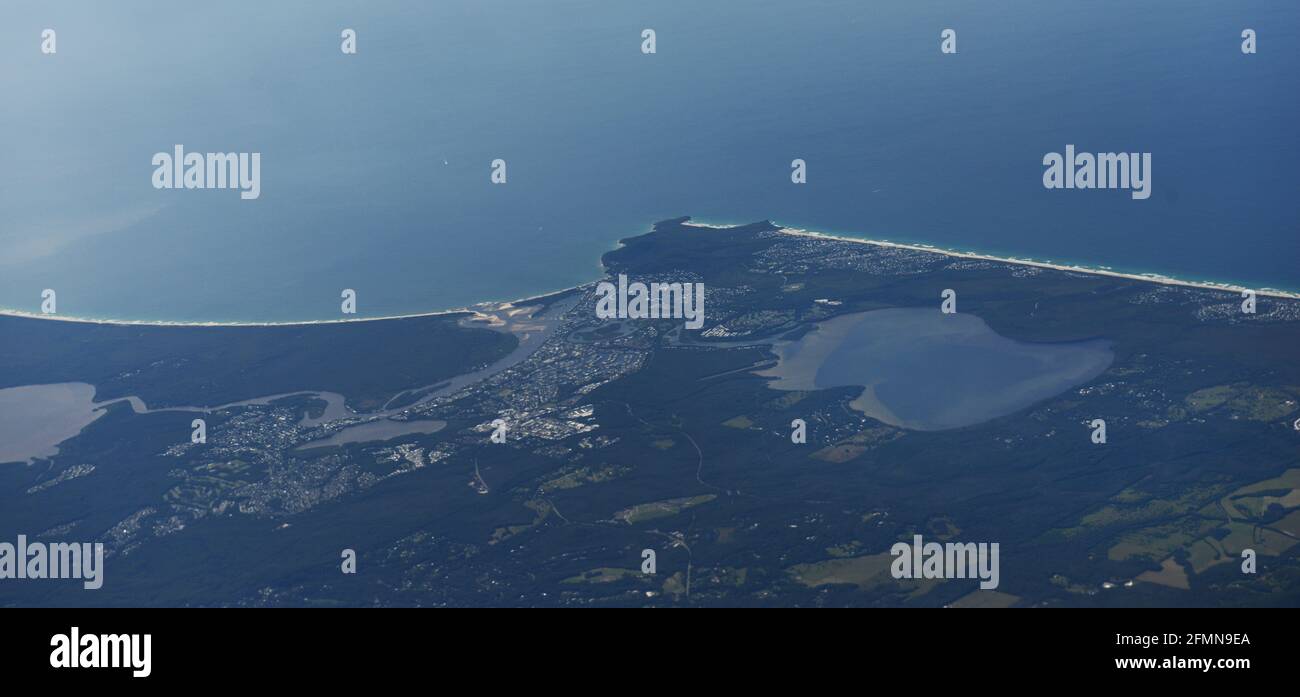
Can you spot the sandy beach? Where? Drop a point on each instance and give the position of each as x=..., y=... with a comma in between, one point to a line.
x=1101, y=271
x=488, y=311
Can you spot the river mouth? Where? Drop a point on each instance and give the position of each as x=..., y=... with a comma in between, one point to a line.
x=36, y=419
x=923, y=370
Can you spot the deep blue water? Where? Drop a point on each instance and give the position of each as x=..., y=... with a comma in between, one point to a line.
x=375, y=166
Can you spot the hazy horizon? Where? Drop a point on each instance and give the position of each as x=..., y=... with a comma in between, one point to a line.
x=375, y=166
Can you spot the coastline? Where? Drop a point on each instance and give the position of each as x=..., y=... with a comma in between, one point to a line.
x=482, y=310
x=1146, y=277
x=479, y=311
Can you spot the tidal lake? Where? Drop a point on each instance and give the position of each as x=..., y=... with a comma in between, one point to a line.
x=924, y=370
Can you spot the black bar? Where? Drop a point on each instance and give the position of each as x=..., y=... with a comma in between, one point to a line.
x=233, y=647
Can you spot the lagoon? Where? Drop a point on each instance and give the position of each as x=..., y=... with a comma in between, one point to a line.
x=921, y=369
x=35, y=419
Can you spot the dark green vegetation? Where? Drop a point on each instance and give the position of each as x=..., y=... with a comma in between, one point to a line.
x=690, y=456
x=367, y=362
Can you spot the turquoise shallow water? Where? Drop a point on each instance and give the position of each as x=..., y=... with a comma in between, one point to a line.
x=375, y=166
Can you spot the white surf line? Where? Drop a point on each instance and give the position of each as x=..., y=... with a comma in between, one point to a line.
x=336, y=408
x=1148, y=277
x=481, y=312
x=6, y=312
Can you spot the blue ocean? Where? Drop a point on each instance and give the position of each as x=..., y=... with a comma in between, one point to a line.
x=375, y=167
